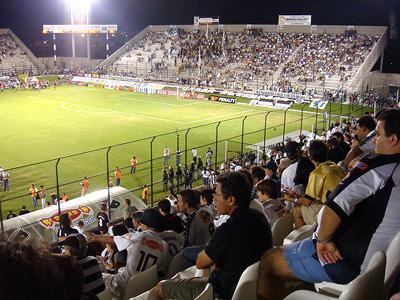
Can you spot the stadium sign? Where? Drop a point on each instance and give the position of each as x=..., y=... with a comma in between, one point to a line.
x=84, y=213
x=299, y=20
x=80, y=29
x=205, y=21
x=221, y=99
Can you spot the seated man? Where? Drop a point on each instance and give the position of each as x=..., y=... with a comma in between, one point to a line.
x=234, y=246
x=359, y=218
x=323, y=180
x=144, y=249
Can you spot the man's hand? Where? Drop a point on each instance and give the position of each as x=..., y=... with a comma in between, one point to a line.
x=89, y=236
x=328, y=253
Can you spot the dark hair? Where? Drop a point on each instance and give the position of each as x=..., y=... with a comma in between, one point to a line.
x=318, y=151
x=28, y=267
x=73, y=275
x=391, y=117
x=258, y=172
x=165, y=206
x=64, y=219
x=128, y=201
x=119, y=229
x=268, y=187
x=248, y=175
x=333, y=142
x=237, y=185
x=208, y=194
x=137, y=215
x=292, y=150
x=128, y=222
x=367, y=122
x=190, y=197
x=304, y=168
x=338, y=134
x=103, y=206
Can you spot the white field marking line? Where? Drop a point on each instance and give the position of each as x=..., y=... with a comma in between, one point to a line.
x=220, y=116
x=63, y=106
x=156, y=102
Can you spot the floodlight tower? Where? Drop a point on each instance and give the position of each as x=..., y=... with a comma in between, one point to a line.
x=79, y=13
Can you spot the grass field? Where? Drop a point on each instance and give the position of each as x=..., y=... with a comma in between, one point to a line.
x=41, y=125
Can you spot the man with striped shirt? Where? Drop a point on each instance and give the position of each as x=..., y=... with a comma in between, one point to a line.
x=359, y=218
x=75, y=245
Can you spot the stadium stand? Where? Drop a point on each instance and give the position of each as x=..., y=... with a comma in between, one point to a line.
x=243, y=59
x=15, y=57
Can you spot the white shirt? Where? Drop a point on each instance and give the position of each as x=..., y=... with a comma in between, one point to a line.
x=194, y=152
x=145, y=249
x=288, y=175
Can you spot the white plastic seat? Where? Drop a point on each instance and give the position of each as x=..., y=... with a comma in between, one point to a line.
x=149, y=295
x=142, y=282
x=207, y=294
x=368, y=285
x=392, y=268
x=105, y=295
x=176, y=265
x=280, y=229
x=302, y=233
x=247, y=285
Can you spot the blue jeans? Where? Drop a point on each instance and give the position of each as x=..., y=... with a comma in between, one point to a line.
x=190, y=254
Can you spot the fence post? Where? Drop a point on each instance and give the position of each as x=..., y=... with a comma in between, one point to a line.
x=186, y=149
x=216, y=144
x=151, y=170
x=316, y=122
x=241, y=147
x=108, y=182
x=284, y=125
x=1, y=217
x=58, y=190
x=265, y=132
x=301, y=118
x=330, y=113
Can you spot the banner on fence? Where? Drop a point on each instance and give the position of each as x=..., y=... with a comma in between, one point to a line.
x=299, y=20
x=320, y=104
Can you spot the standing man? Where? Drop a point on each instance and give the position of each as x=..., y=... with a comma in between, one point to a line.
x=34, y=194
x=133, y=163
x=42, y=196
x=117, y=175
x=359, y=218
x=103, y=219
x=85, y=186
x=194, y=154
x=178, y=157
x=145, y=194
x=209, y=154
x=171, y=176
x=166, y=154
x=6, y=186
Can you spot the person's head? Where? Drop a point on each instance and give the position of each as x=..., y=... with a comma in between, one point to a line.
x=248, y=176
x=258, y=173
x=127, y=202
x=81, y=224
x=23, y=207
x=271, y=169
x=318, y=151
x=164, y=207
x=387, y=140
x=10, y=211
x=206, y=197
x=72, y=274
x=365, y=125
x=41, y=187
x=233, y=190
x=188, y=201
x=338, y=135
x=304, y=168
x=292, y=150
x=103, y=207
x=152, y=220
x=283, y=164
x=333, y=143
x=267, y=189
x=119, y=229
x=64, y=219
x=74, y=245
x=136, y=216
x=28, y=268
x=128, y=222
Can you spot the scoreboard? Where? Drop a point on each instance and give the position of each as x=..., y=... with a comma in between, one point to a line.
x=79, y=29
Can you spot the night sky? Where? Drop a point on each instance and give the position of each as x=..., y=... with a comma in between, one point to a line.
x=26, y=17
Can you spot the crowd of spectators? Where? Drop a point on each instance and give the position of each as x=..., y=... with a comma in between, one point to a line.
x=335, y=183
x=236, y=59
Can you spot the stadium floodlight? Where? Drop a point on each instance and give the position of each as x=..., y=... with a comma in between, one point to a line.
x=79, y=10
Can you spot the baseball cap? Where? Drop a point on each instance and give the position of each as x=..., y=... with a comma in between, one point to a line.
x=77, y=242
x=153, y=219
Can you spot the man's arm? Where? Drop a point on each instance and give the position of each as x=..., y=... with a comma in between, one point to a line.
x=105, y=239
x=203, y=261
x=327, y=251
x=353, y=153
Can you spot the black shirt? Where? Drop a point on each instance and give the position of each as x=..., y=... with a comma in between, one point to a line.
x=173, y=222
x=11, y=215
x=23, y=212
x=66, y=231
x=235, y=245
x=102, y=221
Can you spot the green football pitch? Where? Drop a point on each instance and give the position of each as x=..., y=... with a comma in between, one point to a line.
x=39, y=126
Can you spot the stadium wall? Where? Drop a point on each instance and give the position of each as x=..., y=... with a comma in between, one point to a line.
x=378, y=80
x=70, y=62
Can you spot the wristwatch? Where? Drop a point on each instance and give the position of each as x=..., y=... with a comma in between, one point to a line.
x=328, y=240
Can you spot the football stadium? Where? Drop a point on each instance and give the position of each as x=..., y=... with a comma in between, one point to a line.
x=199, y=150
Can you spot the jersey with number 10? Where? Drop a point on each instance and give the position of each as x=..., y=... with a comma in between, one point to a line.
x=145, y=249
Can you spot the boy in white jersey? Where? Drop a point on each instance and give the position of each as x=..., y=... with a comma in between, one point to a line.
x=145, y=249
